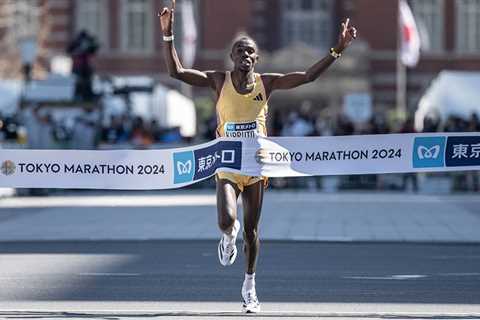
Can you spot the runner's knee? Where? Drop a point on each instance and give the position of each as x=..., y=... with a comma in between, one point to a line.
x=226, y=220
x=250, y=235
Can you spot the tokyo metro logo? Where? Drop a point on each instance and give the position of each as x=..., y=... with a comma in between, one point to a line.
x=428, y=152
x=184, y=166
x=425, y=153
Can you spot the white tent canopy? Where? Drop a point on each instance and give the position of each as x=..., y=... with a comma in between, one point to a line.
x=454, y=93
x=169, y=107
x=173, y=109
x=9, y=96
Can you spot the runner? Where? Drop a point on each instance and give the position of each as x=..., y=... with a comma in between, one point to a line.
x=242, y=97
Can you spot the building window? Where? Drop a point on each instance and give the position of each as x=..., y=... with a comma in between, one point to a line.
x=137, y=26
x=430, y=20
x=468, y=26
x=307, y=21
x=91, y=15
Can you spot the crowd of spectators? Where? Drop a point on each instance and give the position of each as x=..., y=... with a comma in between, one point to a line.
x=122, y=129
x=298, y=123
x=42, y=130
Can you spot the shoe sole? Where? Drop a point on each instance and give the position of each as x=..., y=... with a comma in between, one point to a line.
x=254, y=310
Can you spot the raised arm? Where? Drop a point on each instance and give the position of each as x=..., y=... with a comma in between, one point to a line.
x=275, y=81
x=175, y=68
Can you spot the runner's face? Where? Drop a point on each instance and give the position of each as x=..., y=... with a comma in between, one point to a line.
x=244, y=55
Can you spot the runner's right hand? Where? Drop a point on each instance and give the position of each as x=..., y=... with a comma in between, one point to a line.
x=261, y=156
x=166, y=19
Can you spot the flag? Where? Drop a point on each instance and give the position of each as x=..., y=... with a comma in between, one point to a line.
x=410, y=37
x=189, y=41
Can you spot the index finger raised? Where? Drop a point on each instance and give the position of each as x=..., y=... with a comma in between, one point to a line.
x=173, y=4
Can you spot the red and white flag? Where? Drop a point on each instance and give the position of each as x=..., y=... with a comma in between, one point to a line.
x=189, y=41
x=410, y=37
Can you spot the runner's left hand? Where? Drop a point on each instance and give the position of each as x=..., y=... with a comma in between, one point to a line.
x=347, y=35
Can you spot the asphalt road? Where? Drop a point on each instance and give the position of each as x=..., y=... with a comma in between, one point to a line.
x=184, y=278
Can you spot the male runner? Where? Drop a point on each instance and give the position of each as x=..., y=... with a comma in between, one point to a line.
x=242, y=97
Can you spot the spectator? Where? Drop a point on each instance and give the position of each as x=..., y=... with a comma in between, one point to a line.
x=473, y=177
x=116, y=131
x=154, y=129
x=297, y=126
x=82, y=49
x=172, y=135
x=85, y=129
x=409, y=127
x=323, y=126
x=43, y=139
x=431, y=124
x=474, y=123
x=140, y=135
x=344, y=126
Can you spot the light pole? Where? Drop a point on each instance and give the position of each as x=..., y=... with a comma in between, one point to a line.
x=28, y=53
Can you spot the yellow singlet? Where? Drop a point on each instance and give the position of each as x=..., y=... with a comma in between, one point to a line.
x=241, y=116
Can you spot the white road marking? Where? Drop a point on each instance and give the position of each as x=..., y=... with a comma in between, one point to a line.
x=107, y=274
x=208, y=199
x=109, y=201
x=392, y=277
x=460, y=274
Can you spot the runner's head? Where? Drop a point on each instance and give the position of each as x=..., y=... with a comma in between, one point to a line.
x=244, y=54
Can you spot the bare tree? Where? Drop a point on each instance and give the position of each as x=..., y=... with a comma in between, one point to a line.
x=19, y=34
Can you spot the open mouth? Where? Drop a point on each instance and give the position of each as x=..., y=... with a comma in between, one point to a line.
x=246, y=63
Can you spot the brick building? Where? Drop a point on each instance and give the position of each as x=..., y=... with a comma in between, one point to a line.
x=292, y=34
x=452, y=28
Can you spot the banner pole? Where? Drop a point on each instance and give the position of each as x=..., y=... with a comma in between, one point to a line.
x=401, y=73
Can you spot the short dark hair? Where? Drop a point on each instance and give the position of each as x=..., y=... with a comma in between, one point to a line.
x=244, y=38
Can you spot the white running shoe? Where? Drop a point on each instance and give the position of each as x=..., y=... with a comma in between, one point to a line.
x=227, y=250
x=250, y=301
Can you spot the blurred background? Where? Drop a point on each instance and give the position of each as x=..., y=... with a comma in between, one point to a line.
x=90, y=74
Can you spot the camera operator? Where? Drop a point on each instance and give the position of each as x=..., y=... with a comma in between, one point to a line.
x=82, y=49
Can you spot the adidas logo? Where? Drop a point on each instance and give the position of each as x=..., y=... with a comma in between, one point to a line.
x=259, y=97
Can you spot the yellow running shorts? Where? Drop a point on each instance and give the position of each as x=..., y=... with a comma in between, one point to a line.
x=240, y=180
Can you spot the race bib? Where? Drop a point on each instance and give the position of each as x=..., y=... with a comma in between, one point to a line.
x=241, y=130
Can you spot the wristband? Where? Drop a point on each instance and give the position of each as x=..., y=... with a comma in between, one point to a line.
x=334, y=53
x=168, y=38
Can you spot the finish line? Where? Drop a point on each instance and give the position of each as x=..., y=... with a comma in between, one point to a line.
x=285, y=157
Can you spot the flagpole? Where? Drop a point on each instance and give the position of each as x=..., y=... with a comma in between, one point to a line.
x=189, y=38
x=401, y=73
